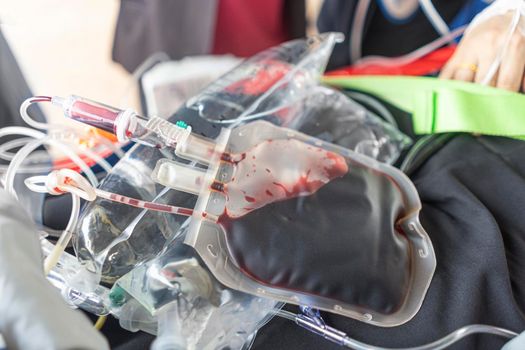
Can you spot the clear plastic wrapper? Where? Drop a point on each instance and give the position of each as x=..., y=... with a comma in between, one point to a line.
x=104, y=222
x=276, y=77
x=118, y=242
x=197, y=310
x=263, y=160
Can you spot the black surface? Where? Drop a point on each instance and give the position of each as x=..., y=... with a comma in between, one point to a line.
x=382, y=37
x=338, y=243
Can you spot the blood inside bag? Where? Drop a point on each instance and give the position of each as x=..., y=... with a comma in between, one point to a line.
x=340, y=241
x=276, y=170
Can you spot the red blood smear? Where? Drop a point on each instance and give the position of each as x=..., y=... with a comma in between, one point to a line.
x=217, y=186
x=187, y=212
x=264, y=78
x=249, y=199
x=339, y=168
x=157, y=206
x=226, y=157
x=58, y=190
x=304, y=185
x=96, y=116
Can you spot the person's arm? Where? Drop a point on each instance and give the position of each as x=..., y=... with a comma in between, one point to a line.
x=32, y=312
x=488, y=39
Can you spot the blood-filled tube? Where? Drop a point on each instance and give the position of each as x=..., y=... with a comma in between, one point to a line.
x=124, y=123
x=89, y=112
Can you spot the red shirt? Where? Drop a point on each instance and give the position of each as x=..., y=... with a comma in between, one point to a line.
x=246, y=27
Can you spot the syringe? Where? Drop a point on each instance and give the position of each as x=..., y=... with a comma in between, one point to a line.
x=127, y=125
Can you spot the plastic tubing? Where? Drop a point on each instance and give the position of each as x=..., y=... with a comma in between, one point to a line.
x=358, y=26
x=434, y=17
x=25, y=116
x=44, y=126
x=98, y=159
x=137, y=203
x=442, y=343
x=6, y=155
x=168, y=330
x=19, y=157
x=62, y=243
x=81, y=188
x=9, y=145
x=30, y=147
x=414, y=55
x=499, y=58
x=345, y=341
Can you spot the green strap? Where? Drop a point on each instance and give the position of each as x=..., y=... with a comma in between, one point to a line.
x=439, y=106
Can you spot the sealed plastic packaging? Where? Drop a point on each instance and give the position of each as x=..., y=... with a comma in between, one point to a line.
x=131, y=246
x=268, y=188
x=113, y=238
x=270, y=80
x=190, y=304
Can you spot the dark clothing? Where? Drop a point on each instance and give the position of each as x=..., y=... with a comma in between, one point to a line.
x=381, y=36
x=386, y=38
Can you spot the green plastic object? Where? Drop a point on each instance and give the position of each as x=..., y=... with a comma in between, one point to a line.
x=117, y=296
x=440, y=106
x=181, y=124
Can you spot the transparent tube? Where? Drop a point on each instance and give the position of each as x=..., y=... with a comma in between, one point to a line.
x=338, y=337
x=442, y=343
x=27, y=149
x=434, y=17
x=501, y=53
x=89, y=112
x=169, y=331
x=65, y=237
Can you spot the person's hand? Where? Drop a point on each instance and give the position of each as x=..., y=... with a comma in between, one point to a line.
x=481, y=46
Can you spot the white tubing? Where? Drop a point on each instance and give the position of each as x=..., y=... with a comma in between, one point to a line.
x=9, y=145
x=98, y=159
x=30, y=121
x=414, y=55
x=27, y=118
x=319, y=328
x=434, y=17
x=358, y=27
x=27, y=149
x=442, y=343
x=499, y=58
x=65, y=237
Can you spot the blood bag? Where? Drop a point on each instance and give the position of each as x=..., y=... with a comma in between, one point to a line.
x=284, y=215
